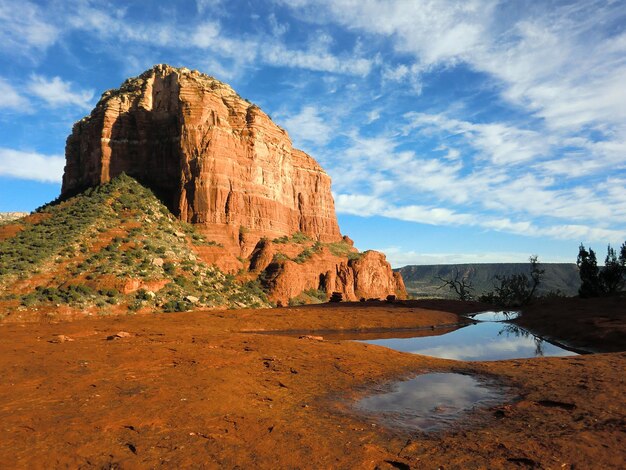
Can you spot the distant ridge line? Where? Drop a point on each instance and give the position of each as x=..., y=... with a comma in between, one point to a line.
x=422, y=280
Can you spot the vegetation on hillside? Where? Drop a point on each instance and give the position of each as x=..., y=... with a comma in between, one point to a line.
x=340, y=249
x=95, y=249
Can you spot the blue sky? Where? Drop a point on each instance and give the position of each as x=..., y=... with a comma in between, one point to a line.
x=454, y=131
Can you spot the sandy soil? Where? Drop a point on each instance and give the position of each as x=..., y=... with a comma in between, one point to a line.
x=192, y=391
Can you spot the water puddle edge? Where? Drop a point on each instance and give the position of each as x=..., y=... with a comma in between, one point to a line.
x=432, y=401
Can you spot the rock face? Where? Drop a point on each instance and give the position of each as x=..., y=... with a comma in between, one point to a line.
x=219, y=162
x=10, y=216
x=212, y=157
x=359, y=275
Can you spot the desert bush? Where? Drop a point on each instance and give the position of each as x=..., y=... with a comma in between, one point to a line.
x=461, y=285
x=516, y=290
x=176, y=306
x=336, y=297
x=318, y=294
x=303, y=255
x=169, y=268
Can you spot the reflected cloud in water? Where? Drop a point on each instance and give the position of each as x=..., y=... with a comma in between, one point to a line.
x=492, y=315
x=430, y=401
x=484, y=341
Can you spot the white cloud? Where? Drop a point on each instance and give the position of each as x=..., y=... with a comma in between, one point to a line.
x=205, y=35
x=278, y=54
x=503, y=144
x=10, y=98
x=366, y=205
x=399, y=257
x=308, y=126
x=373, y=115
x=404, y=73
x=31, y=165
x=208, y=5
x=278, y=29
x=57, y=92
x=24, y=28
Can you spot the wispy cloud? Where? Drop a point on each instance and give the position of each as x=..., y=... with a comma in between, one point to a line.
x=56, y=92
x=503, y=144
x=308, y=126
x=24, y=28
x=31, y=165
x=399, y=257
x=365, y=205
x=248, y=50
x=10, y=98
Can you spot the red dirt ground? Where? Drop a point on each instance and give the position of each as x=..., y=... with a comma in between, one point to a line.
x=191, y=390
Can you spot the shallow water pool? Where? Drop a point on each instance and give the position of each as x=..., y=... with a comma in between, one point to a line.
x=430, y=401
x=482, y=341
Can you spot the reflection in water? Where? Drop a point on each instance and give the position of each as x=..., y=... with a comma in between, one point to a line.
x=502, y=315
x=483, y=341
x=386, y=334
x=362, y=335
x=514, y=330
x=430, y=401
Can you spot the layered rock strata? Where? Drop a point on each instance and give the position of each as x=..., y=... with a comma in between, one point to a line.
x=214, y=158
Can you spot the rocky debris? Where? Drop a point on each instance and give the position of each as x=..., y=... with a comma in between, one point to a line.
x=119, y=335
x=61, y=339
x=192, y=299
x=11, y=216
x=311, y=337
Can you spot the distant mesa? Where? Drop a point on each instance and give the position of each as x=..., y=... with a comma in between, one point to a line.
x=424, y=280
x=219, y=162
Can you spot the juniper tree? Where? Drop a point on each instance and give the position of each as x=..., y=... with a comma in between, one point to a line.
x=589, y=273
x=611, y=276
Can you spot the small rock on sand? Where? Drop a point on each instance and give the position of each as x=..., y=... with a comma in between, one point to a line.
x=61, y=339
x=118, y=335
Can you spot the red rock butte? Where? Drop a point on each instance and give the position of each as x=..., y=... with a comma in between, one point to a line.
x=219, y=162
x=214, y=158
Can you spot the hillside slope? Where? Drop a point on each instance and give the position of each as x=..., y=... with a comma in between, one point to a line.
x=113, y=248
x=423, y=280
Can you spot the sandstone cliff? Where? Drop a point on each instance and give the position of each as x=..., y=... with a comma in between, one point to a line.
x=290, y=269
x=219, y=162
x=213, y=158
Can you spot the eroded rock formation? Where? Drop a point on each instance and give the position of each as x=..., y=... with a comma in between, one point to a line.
x=213, y=158
x=219, y=162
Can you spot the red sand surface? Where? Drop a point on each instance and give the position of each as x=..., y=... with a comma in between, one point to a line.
x=191, y=390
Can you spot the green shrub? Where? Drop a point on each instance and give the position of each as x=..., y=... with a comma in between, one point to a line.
x=176, y=306
x=169, y=268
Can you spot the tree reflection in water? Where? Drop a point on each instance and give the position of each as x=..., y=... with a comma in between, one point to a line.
x=513, y=330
